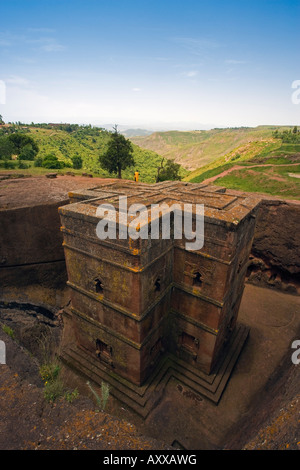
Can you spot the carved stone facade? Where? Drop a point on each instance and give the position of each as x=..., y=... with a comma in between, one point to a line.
x=142, y=308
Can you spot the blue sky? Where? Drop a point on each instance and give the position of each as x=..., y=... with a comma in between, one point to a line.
x=156, y=64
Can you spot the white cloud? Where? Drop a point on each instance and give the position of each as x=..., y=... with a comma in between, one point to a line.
x=136, y=89
x=190, y=73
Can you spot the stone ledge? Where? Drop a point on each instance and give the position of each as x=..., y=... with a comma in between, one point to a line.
x=143, y=399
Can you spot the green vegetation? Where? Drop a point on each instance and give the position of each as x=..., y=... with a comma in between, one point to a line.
x=118, y=155
x=51, y=161
x=288, y=135
x=8, y=331
x=23, y=144
x=18, y=144
x=54, y=388
x=273, y=180
x=168, y=172
x=211, y=172
x=157, y=156
x=53, y=385
x=195, y=149
x=269, y=166
x=70, y=396
x=77, y=162
x=74, y=143
x=242, y=155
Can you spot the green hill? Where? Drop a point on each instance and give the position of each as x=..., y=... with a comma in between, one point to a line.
x=248, y=159
x=264, y=159
x=66, y=141
x=195, y=149
x=270, y=167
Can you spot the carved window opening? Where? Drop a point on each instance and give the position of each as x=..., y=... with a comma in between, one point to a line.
x=157, y=285
x=103, y=351
x=188, y=346
x=98, y=286
x=197, y=279
x=189, y=341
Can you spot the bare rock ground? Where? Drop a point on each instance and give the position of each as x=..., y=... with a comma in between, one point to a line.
x=29, y=422
x=260, y=408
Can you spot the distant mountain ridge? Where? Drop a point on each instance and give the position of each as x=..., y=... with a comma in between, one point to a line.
x=136, y=132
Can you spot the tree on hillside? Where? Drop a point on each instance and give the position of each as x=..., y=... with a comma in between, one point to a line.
x=6, y=148
x=118, y=155
x=19, y=141
x=1, y=120
x=168, y=172
x=77, y=162
x=27, y=153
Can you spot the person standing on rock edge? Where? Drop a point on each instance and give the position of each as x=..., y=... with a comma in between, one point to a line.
x=136, y=176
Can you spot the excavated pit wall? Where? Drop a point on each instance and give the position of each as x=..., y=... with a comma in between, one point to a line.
x=275, y=254
x=32, y=262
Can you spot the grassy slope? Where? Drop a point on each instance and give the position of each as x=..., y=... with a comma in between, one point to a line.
x=65, y=145
x=195, y=149
x=240, y=155
x=276, y=179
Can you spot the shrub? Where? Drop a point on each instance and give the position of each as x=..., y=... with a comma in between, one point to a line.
x=53, y=384
x=71, y=396
x=77, y=162
x=168, y=172
x=49, y=372
x=8, y=331
x=38, y=162
x=53, y=390
x=9, y=165
x=22, y=166
x=27, y=153
x=51, y=161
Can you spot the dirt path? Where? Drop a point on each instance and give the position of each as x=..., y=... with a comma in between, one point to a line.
x=241, y=167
